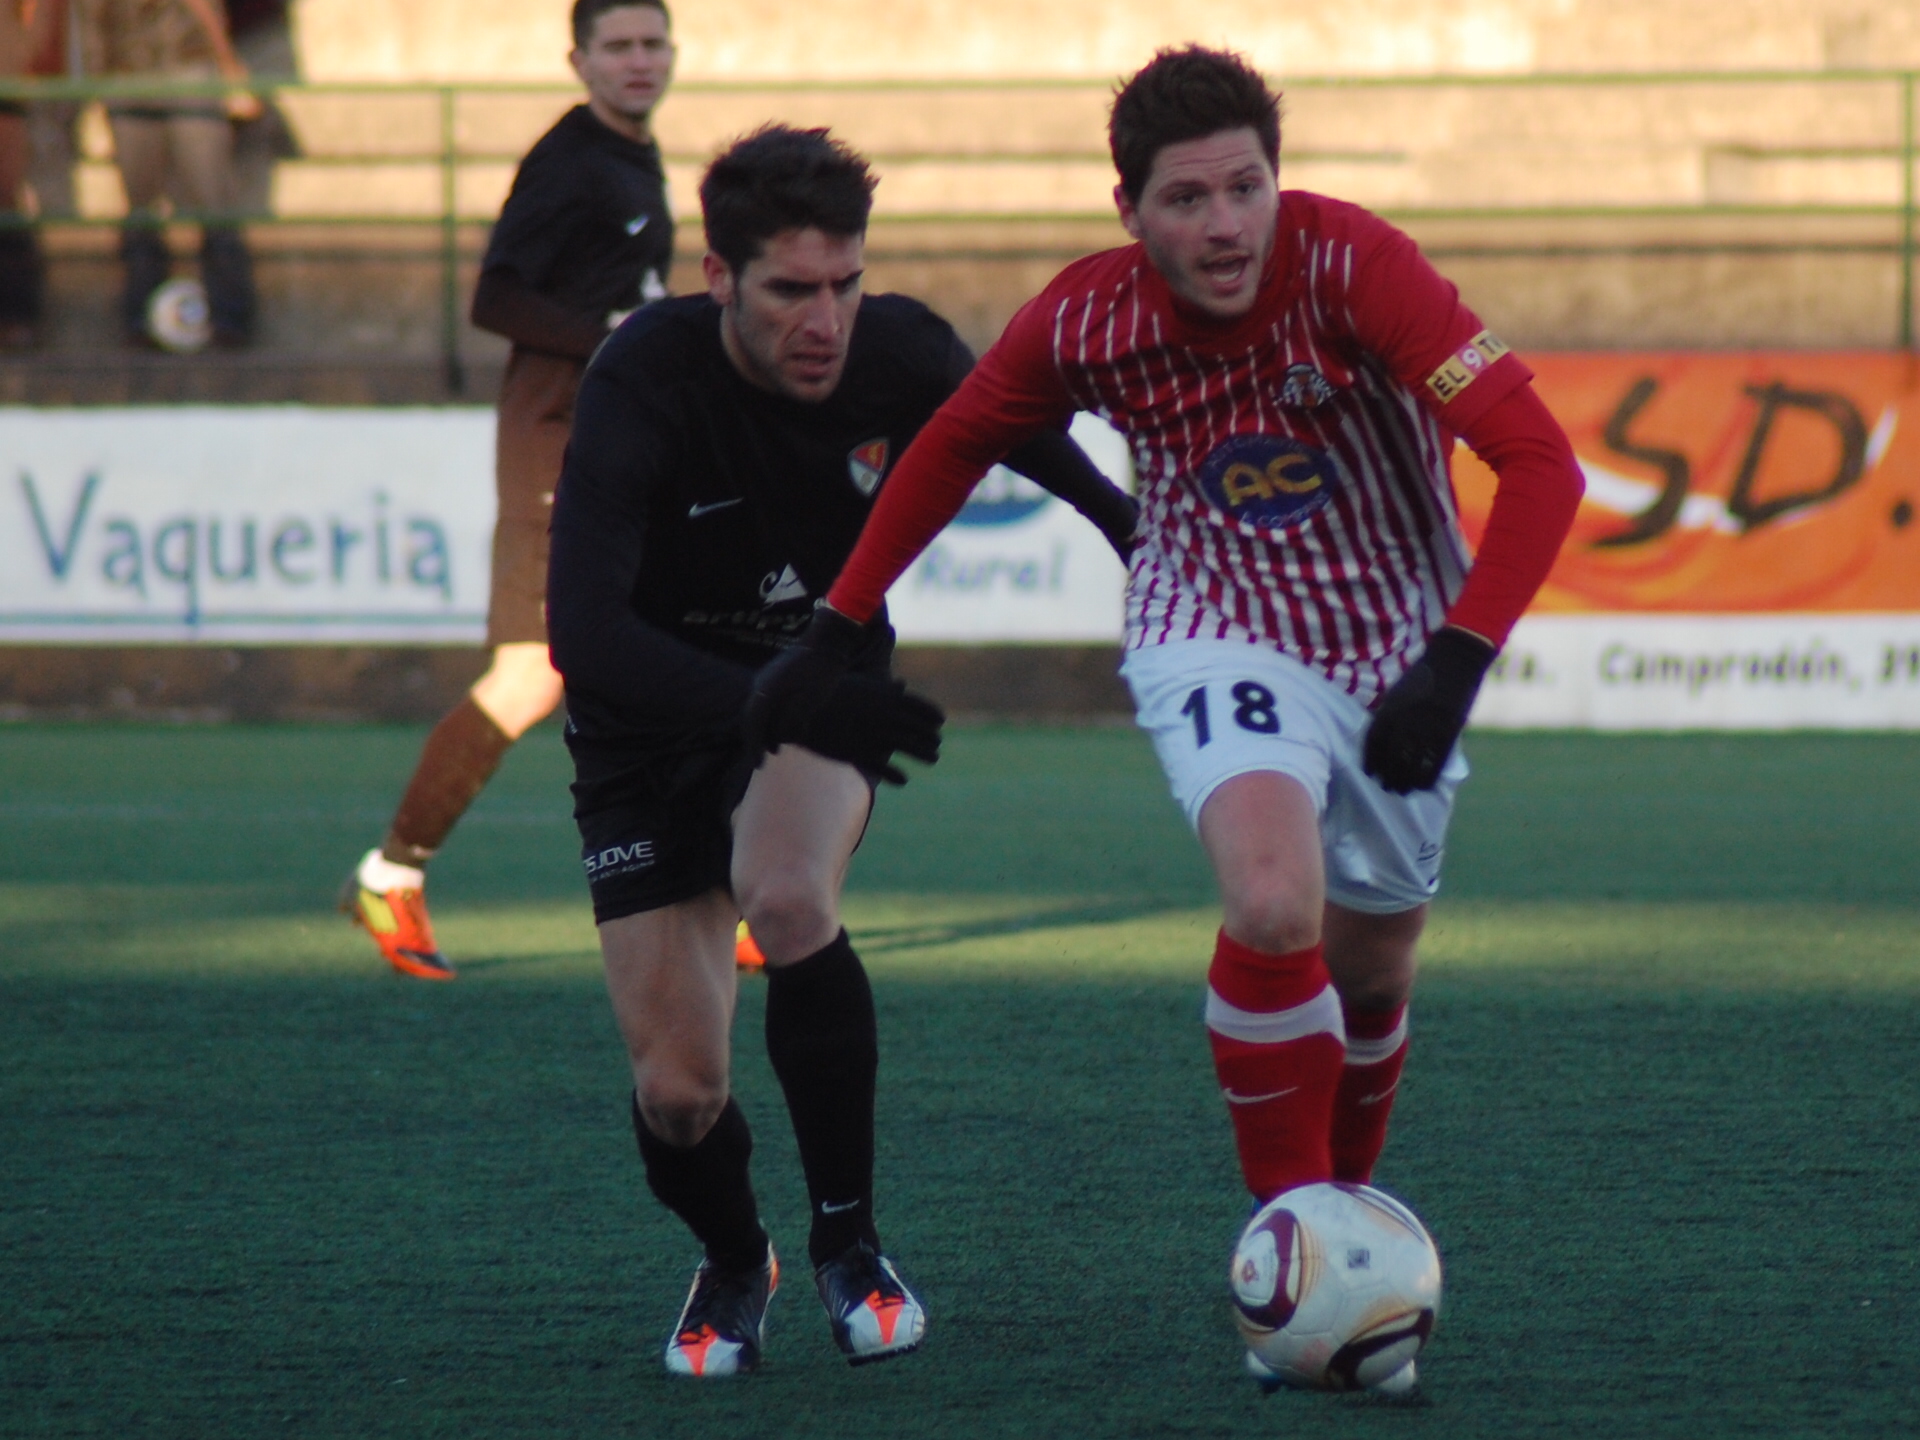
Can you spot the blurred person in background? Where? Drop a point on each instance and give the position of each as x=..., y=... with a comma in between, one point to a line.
x=263, y=39
x=51, y=123
x=22, y=27
x=585, y=238
x=181, y=144
x=262, y=35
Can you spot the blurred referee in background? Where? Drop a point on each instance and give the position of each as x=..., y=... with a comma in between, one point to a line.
x=584, y=238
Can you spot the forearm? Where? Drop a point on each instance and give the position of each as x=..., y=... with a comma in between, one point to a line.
x=1052, y=461
x=658, y=683
x=919, y=500
x=1538, y=492
x=600, y=540
x=509, y=306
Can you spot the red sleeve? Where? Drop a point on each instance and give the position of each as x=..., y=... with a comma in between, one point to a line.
x=1538, y=489
x=1411, y=317
x=1013, y=393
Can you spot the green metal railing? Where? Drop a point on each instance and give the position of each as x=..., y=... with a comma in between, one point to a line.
x=454, y=110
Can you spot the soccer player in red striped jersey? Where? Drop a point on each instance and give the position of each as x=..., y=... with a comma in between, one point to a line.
x=1306, y=630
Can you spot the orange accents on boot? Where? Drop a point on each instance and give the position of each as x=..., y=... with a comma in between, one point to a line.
x=746, y=953
x=397, y=921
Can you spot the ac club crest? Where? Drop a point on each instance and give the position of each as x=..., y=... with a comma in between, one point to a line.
x=867, y=465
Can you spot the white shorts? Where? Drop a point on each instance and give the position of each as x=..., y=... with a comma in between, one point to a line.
x=1221, y=708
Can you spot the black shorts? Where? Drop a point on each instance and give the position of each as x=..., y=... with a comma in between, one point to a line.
x=656, y=827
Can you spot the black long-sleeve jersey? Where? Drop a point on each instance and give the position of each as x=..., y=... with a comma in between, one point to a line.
x=585, y=231
x=699, y=517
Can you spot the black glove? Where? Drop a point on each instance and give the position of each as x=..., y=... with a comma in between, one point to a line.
x=806, y=696
x=1416, y=723
x=866, y=718
x=789, y=688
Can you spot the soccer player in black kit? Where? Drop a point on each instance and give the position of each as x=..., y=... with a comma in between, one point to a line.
x=585, y=237
x=725, y=453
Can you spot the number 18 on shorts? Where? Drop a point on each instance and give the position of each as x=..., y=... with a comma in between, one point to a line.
x=1219, y=708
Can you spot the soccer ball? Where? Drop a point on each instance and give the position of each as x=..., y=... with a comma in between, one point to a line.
x=1335, y=1287
x=178, y=317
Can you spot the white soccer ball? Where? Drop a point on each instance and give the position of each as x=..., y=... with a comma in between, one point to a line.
x=178, y=317
x=1335, y=1287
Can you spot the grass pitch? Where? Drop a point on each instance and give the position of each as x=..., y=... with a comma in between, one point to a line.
x=1660, y=1112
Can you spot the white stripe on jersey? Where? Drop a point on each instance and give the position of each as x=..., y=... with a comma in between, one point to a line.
x=1353, y=589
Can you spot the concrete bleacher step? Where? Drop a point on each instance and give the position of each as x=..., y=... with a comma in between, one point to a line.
x=989, y=181
x=1098, y=39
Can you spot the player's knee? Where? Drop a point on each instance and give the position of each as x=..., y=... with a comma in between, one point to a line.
x=680, y=1108
x=1375, y=993
x=1274, y=921
x=790, y=914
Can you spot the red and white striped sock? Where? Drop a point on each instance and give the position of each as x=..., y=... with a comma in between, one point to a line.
x=1278, y=1048
x=1376, y=1051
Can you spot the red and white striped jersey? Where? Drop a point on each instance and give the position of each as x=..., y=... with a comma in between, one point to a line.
x=1293, y=465
x=1296, y=481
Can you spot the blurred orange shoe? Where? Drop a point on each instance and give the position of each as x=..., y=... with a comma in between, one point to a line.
x=389, y=902
x=746, y=954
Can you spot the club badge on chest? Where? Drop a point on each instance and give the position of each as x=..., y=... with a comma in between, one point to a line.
x=867, y=464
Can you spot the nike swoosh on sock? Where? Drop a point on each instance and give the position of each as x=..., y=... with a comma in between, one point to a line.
x=1233, y=1098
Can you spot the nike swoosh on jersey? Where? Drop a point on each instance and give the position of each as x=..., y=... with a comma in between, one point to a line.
x=694, y=512
x=1235, y=1098
x=637, y=224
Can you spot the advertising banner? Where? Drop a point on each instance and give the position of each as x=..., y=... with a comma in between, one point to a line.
x=1746, y=554
x=1018, y=566
x=284, y=524
x=267, y=524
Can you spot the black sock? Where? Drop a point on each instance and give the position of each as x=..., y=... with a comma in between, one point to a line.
x=825, y=1047
x=707, y=1186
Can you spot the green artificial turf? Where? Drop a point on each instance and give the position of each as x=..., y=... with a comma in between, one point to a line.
x=1661, y=1113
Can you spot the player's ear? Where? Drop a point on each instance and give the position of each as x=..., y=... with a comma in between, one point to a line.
x=1129, y=213
x=577, y=58
x=719, y=277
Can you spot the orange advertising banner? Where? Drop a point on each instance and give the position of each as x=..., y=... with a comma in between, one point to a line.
x=1732, y=483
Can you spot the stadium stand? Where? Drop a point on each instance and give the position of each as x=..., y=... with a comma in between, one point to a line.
x=1668, y=195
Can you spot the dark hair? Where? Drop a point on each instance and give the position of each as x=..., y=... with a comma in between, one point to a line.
x=587, y=12
x=1187, y=94
x=780, y=178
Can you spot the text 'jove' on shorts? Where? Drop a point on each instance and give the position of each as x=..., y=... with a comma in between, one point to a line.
x=656, y=827
x=1216, y=709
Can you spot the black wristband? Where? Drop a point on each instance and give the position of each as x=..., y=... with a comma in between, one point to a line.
x=1459, y=660
x=832, y=633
